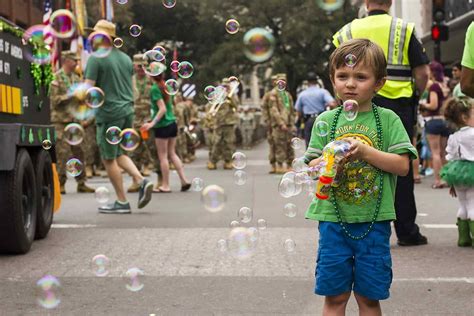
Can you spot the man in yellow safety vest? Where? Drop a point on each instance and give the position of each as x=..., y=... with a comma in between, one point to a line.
x=407, y=68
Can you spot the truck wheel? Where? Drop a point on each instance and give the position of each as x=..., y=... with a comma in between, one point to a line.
x=18, y=206
x=45, y=193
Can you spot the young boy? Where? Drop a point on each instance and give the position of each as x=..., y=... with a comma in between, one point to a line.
x=354, y=223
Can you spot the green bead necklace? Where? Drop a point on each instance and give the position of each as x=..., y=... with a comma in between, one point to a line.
x=379, y=173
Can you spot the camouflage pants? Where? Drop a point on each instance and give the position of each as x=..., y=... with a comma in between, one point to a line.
x=282, y=144
x=181, y=146
x=64, y=152
x=223, y=144
x=190, y=150
x=271, y=144
x=209, y=136
x=247, y=134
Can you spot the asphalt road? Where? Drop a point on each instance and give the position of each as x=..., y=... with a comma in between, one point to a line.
x=174, y=242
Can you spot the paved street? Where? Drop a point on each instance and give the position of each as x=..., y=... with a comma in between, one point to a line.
x=174, y=241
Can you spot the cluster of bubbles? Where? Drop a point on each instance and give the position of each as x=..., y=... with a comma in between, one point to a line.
x=239, y=162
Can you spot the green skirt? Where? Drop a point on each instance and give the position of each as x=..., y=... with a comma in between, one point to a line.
x=459, y=173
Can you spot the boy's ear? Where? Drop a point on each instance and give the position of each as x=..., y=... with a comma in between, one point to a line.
x=379, y=84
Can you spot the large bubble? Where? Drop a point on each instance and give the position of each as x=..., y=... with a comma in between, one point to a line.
x=133, y=279
x=63, y=23
x=102, y=195
x=259, y=44
x=113, y=135
x=153, y=62
x=73, y=134
x=35, y=35
x=101, y=44
x=130, y=139
x=213, y=198
x=186, y=69
x=48, y=292
x=241, y=244
x=95, y=97
x=74, y=167
x=239, y=160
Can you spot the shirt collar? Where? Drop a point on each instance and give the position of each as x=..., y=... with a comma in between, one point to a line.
x=377, y=12
x=464, y=128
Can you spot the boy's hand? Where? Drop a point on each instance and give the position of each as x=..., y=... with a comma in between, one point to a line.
x=315, y=162
x=357, y=151
x=452, y=191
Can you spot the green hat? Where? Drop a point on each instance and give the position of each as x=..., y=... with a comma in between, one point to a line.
x=69, y=54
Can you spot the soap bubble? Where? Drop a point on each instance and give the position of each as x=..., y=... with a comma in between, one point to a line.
x=102, y=195
x=160, y=49
x=95, y=97
x=222, y=245
x=245, y=214
x=240, y=177
x=73, y=134
x=232, y=26
x=213, y=198
x=153, y=63
x=113, y=135
x=240, y=243
x=262, y=224
x=296, y=143
x=290, y=210
x=63, y=24
x=239, y=160
x=197, y=184
x=175, y=66
x=46, y=144
x=321, y=128
x=290, y=245
x=35, y=35
x=135, y=30
x=254, y=234
x=172, y=86
x=350, y=109
x=281, y=85
x=234, y=224
x=132, y=279
x=350, y=60
x=101, y=44
x=130, y=139
x=259, y=44
x=74, y=167
x=209, y=92
x=186, y=69
x=298, y=165
x=122, y=1
x=169, y=3
x=118, y=42
x=330, y=5
x=301, y=177
x=100, y=265
x=47, y=292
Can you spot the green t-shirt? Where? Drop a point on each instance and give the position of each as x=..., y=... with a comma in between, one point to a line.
x=113, y=74
x=168, y=118
x=468, y=54
x=358, y=188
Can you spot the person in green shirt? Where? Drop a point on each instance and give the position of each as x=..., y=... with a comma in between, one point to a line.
x=354, y=223
x=467, y=74
x=164, y=126
x=113, y=74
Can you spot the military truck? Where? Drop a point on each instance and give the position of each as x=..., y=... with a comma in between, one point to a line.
x=29, y=186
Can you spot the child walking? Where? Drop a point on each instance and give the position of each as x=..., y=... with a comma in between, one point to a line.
x=354, y=222
x=459, y=172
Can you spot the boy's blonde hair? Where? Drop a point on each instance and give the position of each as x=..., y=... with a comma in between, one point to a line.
x=367, y=53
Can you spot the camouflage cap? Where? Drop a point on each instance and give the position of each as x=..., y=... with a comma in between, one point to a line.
x=274, y=77
x=281, y=76
x=138, y=59
x=69, y=54
x=225, y=81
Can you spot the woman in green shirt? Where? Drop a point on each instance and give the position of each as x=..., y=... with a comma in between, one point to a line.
x=165, y=130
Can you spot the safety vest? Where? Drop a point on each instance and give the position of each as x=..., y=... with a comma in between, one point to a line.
x=393, y=35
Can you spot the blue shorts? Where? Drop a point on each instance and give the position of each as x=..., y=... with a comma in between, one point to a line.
x=344, y=264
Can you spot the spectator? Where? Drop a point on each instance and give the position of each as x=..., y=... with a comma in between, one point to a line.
x=114, y=76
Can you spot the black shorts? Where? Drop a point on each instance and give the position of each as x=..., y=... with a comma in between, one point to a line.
x=168, y=131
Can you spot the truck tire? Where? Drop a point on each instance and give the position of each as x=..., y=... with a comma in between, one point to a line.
x=18, y=206
x=45, y=193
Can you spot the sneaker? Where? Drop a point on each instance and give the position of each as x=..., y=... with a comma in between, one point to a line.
x=144, y=195
x=417, y=240
x=115, y=208
x=429, y=172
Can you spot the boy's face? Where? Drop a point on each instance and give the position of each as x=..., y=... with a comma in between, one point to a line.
x=356, y=83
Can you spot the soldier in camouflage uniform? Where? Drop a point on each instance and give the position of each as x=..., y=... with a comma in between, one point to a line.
x=282, y=116
x=142, y=156
x=209, y=125
x=266, y=105
x=63, y=107
x=247, y=127
x=224, y=132
x=181, y=112
x=193, y=119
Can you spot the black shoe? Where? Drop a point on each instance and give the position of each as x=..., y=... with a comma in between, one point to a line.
x=144, y=195
x=115, y=208
x=417, y=240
